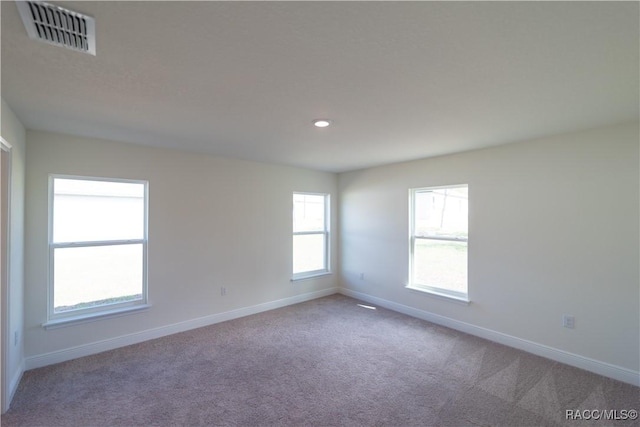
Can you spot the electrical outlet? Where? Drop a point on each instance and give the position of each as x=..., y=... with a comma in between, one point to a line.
x=223, y=291
x=15, y=337
x=361, y=276
x=568, y=321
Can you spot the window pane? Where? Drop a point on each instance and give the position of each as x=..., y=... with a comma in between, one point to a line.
x=97, y=210
x=442, y=212
x=93, y=276
x=308, y=212
x=440, y=264
x=308, y=253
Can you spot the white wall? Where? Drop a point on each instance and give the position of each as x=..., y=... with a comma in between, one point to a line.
x=213, y=222
x=553, y=229
x=14, y=133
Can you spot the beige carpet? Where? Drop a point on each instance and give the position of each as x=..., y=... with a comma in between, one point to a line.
x=321, y=363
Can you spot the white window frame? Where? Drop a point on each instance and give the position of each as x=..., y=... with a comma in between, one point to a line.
x=432, y=289
x=327, y=268
x=105, y=310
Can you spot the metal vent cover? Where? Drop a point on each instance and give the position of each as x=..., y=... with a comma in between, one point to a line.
x=58, y=26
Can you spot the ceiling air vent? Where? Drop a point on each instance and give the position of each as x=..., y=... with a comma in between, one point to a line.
x=56, y=25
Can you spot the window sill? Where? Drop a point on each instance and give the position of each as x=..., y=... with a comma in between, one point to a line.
x=92, y=317
x=310, y=276
x=441, y=295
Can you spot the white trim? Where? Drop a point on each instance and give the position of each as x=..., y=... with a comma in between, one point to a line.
x=444, y=239
x=311, y=275
x=40, y=360
x=8, y=388
x=85, y=317
x=424, y=287
x=99, y=310
x=93, y=243
x=13, y=385
x=602, y=368
x=440, y=294
x=325, y=232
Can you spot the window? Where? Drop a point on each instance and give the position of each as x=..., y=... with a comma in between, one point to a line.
x=438, y=240
x=97, y=246
x=310, y=235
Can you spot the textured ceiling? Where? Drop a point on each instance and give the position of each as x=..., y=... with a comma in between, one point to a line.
x=399, y=80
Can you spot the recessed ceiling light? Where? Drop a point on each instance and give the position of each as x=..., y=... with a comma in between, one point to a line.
x=321, y=123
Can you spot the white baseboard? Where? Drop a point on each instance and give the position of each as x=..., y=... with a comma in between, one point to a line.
x=12, y=387
x=138, y=337
x=602, y=368
x=15, y=380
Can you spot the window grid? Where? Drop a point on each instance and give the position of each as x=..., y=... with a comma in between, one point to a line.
x=57, y=245
x=318, y=228
x=439, y=247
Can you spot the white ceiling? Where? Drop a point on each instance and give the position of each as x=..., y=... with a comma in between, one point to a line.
x=399, y=80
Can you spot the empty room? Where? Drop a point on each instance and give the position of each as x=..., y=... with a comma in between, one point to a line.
x=319, y=213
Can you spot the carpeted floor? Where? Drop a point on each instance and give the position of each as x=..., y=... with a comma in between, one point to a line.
x=321, y=363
